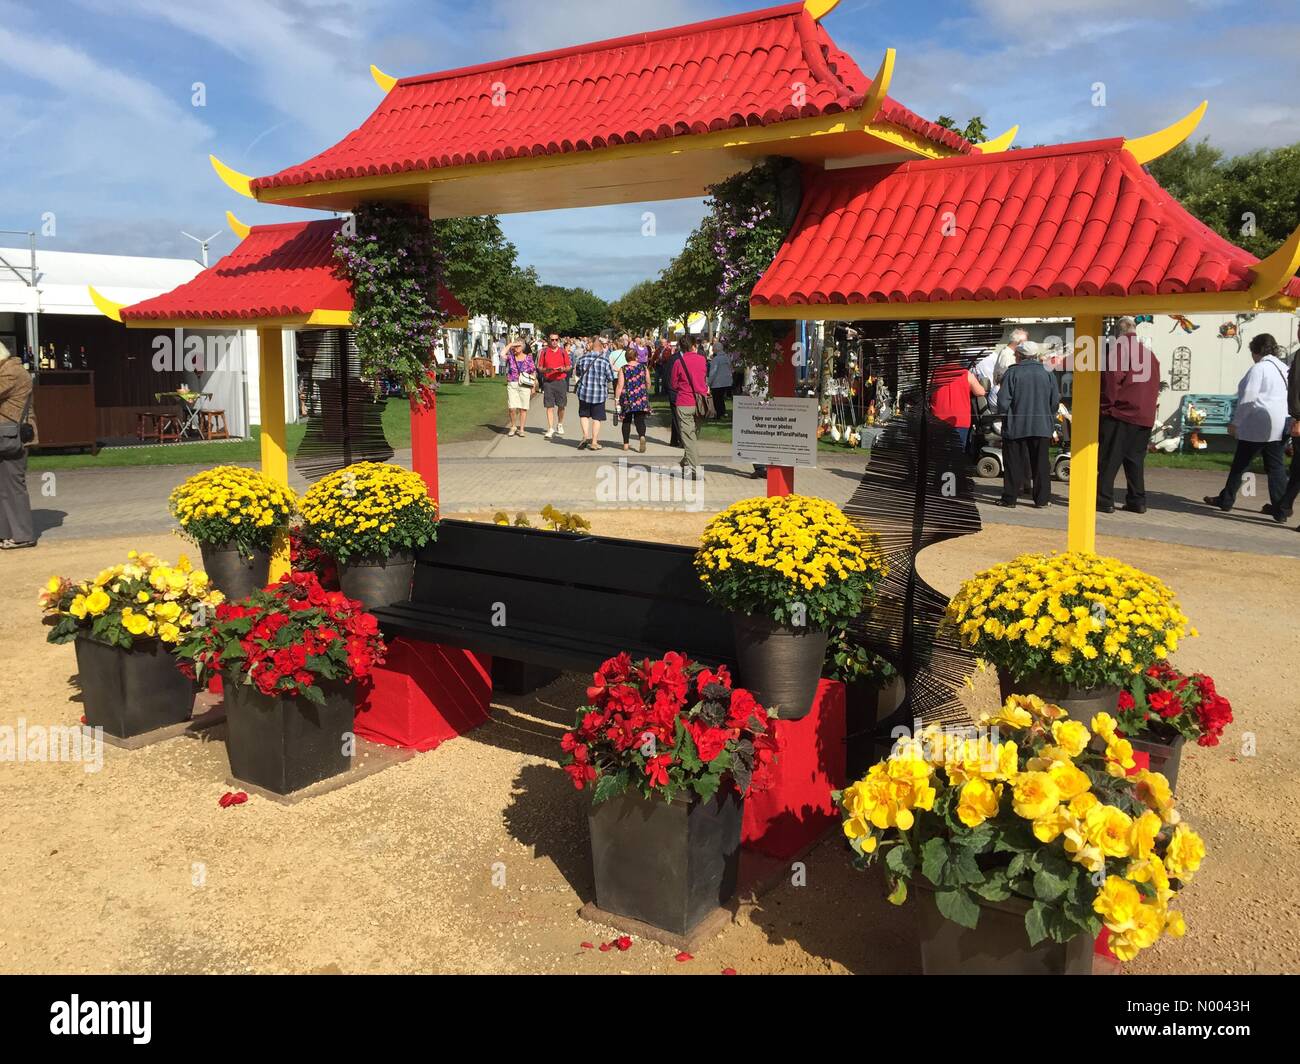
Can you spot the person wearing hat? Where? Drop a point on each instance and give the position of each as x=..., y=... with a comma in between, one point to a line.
x=1027, y=402
x=17, y=434
x=1130, y=386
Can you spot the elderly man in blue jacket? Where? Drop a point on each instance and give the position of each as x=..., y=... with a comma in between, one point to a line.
x=1027, y=403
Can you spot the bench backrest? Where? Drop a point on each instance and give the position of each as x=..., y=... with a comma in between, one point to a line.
x=1218, y=409
x=646, y=593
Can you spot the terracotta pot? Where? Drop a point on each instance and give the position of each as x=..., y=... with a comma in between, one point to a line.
x=378, y=581
x=780, y=666
x=998, y=945
x=1080, y=703
x=130, y=692
x=234, y=573
x=668, y=864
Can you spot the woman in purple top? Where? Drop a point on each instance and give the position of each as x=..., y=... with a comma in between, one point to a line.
x=689, y=378
x=521, y=385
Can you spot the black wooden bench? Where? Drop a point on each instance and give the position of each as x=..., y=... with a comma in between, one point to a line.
x=558, y=600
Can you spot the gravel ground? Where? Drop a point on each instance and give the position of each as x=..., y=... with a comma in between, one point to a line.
x=473, y=858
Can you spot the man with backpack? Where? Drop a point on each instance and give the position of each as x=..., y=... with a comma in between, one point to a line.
x=554, y=365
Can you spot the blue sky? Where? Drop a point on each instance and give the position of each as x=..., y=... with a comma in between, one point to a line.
x=100, y=128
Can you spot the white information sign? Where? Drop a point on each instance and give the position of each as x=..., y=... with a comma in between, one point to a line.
x=779, y=432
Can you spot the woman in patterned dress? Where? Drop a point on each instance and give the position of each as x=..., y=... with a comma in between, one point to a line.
x=632, y=395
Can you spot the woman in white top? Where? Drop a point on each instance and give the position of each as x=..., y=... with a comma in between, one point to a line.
x=1258, y=424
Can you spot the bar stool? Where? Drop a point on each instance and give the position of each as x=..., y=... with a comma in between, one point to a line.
x=212, y=425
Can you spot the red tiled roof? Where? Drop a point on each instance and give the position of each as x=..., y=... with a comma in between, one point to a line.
x=1067, y=220
x=725, y=73
x=277, y=271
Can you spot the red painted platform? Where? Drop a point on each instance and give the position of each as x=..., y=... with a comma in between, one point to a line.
x=797, y=810
x=425, y=694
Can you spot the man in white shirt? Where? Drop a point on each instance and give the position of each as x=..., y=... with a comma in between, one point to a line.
x=1258, y=424
x=992, y=367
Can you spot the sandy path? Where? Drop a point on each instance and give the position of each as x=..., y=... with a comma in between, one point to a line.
x=135, y=868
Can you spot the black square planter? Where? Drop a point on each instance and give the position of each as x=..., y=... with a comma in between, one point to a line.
x=999, y=945
x=668, y=864
x=131, y=692
x=286, y=744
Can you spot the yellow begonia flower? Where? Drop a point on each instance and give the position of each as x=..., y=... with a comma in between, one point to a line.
x=979, y=801
x=1035, y=795
x=1185, y=852
x=97, y=602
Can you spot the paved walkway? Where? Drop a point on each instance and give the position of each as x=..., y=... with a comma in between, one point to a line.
x=513, y=474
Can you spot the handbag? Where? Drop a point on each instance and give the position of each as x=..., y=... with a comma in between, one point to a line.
x=15, y=435
x=704, y=408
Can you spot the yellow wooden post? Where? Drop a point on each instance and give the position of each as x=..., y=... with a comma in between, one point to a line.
x=1085, y=424
x=275, y=454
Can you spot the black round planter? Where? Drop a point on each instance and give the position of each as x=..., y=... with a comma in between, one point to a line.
x=666, y=863
x=234, y=573
x=130, y=692
x=378, y=581
x=286, y=744
x=1162, y=757
x=1079, y=703
x=780, y=666
x=998, y=945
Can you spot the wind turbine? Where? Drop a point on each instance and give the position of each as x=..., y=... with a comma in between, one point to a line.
x=203, y=243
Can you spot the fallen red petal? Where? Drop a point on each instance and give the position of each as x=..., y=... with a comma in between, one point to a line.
x=225, y=800
x=605, y=947
x=623, y=943
x=684, y=956
x=238, y=798
x=728, y=971
x=588, y=945
x=83, y=721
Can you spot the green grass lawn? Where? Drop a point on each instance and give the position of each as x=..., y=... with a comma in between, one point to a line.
x=465, y=412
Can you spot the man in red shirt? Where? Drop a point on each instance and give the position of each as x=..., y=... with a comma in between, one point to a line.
x=553, y=364
x=1130, y=386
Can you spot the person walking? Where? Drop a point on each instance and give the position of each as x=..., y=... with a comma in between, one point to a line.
x=688, y=378
x=1027, y=402
x=1282, y=513
x=1258, y=424
x=1130, y=386
x=17, y=434
x=721, y=378
x=554, y=364
x=632, y=397
x=594, y=376
x=622, y=351
x=521, y=384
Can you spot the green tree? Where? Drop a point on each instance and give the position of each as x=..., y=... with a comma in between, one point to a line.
x=641, y=308
x=974, y=131
x=557, y=313
x=1252, y=200
x=591, y=311
x=477, y=261
x=691, y=281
